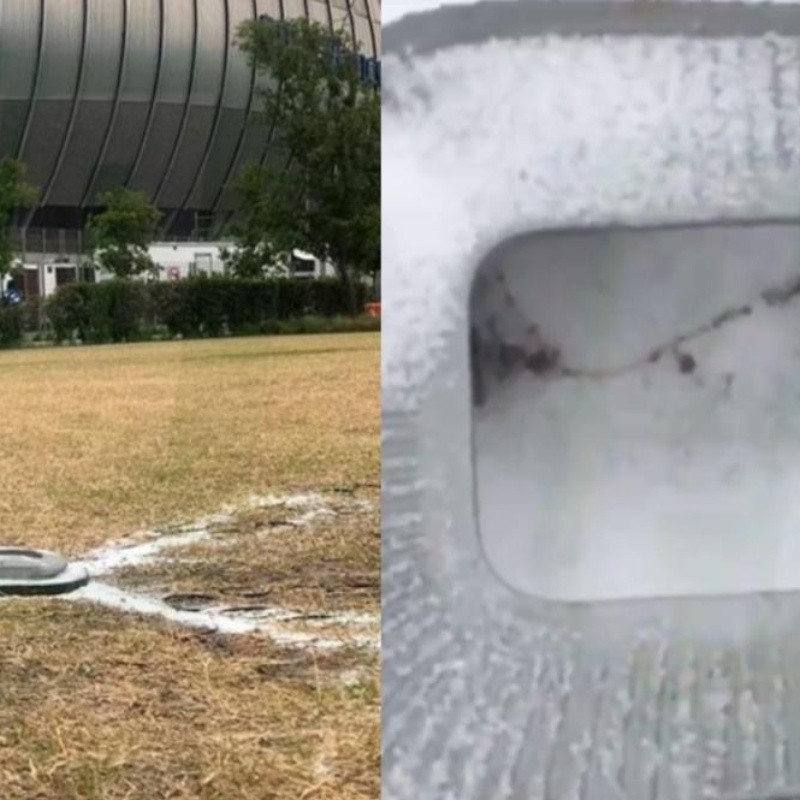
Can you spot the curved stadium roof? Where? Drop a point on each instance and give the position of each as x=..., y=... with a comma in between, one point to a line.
x=146, y=93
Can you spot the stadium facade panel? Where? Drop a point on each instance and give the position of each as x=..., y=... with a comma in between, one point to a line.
x=151, y=94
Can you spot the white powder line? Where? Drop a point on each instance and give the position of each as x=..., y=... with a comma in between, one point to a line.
x=127, y=554
x=145, y=546
x=148, y=547
x=217, y=619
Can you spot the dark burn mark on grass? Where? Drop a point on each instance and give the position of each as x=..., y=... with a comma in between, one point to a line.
x=189, y=601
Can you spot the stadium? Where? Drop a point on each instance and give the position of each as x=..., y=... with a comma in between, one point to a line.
x=148, y=94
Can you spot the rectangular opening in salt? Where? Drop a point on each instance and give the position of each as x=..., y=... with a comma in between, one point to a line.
x=636, y=411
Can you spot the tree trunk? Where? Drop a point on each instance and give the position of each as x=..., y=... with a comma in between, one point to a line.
x=346, y=277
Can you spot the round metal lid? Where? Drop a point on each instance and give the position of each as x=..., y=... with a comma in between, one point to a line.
x=24, y=571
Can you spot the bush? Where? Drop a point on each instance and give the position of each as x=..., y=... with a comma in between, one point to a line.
x=30, y=315
x=67, y=311
x=361, y=324
x=217, y=306
x=112, y=311
x=120, y=310
x=10, y=326
x=126, y=306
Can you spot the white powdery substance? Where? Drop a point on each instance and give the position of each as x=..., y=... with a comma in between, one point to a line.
x=287, y=501
x=486, y=141
x=280, y=624
x=482, y=143
x=147, y=546
x=397, y=9
x=132, y=553
x=274, y=622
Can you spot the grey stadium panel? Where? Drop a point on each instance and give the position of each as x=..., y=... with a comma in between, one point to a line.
x=252, y=151
x=99, y=80
x=198, y=125
x=172, y=95
x=230, y=125
x=319, y=12
x=256, y=131
x=363, y=29
x=55, y=89
x=208, y=83
x=13, y=114
x=162, y=136
x=231, y=116
x=294, y=9
x=374, y=7
x=83, y=148
x=151, y=94
x=140, y=71
x=20, y=24
x=342, y=21
x=121, y=147
x=48, y=123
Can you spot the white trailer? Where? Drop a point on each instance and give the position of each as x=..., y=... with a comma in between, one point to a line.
x=187, y=260
x=174, y=260
x=179, y=260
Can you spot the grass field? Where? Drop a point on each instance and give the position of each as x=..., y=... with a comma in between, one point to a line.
x=102, y=442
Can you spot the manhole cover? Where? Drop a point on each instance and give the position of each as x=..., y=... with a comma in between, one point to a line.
x=26, y=571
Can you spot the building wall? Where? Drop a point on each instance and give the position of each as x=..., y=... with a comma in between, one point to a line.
x=151, y=94
x=176, y=261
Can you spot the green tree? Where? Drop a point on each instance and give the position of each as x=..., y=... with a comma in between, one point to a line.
x=122, y=232
x=14, y=193
x=253, y=258
x=321, y=192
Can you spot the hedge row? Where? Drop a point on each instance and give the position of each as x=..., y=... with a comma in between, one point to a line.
x=12, y=321
x=116, y=311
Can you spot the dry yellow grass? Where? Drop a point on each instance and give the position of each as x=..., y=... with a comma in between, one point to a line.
x=102, y=706
x=98, y=441
x=98, y=705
